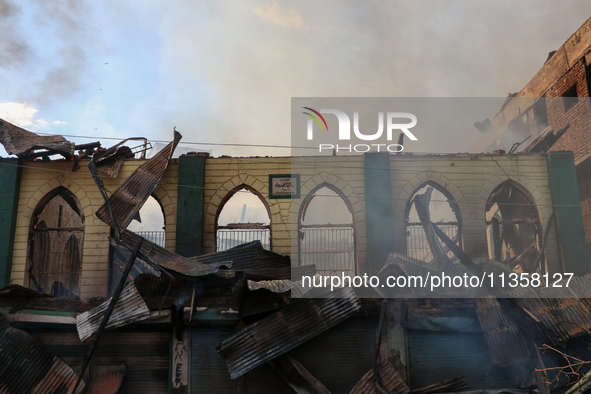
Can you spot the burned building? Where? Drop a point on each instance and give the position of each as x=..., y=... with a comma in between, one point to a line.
x=190, y=313
x=551, y=113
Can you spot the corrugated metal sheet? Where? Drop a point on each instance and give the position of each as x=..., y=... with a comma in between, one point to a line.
x=276, y=286
x=296, y=376
x=389, y=377
x=250, y=256
x=285, y=329
x=341, y=356
x=173, y=261
x=105, y=379
x=130, y=308
x=145, y=352
x=128, y=198
x=502, y=334
x=454, y=385
x=27, y=367
x=19, y=141
x=436, y=356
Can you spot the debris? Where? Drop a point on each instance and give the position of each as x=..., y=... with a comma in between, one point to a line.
x=109, y=161
x=276, y=286
x=127, y=200
x=23, y=143
x=105, y=379
x=285, y=329
x=27, y=367
x=389, y=378
x=163, y=258
x=130, y=308
x=296, y=376
x=457, y=384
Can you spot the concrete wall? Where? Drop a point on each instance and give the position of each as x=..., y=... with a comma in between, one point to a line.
x=40, y=178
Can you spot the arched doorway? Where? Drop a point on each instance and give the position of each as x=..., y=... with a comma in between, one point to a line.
x=55, y=247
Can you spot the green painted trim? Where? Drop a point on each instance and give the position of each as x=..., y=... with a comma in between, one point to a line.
x=379, y=208
x=39, y=312
x=564, y=190
x=189, y=219
x=10, y=179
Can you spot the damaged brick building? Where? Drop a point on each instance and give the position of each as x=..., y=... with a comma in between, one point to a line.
x=551, y=113
x=63, y=258
x=215, y=306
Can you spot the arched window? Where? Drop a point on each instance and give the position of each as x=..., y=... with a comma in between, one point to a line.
x=56, y=239
x=513, y=228
x=442, y=211
x=327, y=232
x=148, y=223
x=242, y=217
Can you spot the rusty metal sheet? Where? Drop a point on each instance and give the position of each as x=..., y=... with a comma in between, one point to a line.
x=389, y=377
x=128, y=198
x=19, y=141
x=27, y=367
x=276, y=286
x=105, y=379
x=130, y=308
x=285, y=329
x=250, y=256
x=296, y=376
x=506, y=343
x=172, y=261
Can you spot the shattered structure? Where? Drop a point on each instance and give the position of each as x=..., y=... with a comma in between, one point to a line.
x=551, y=113
x=90, y=306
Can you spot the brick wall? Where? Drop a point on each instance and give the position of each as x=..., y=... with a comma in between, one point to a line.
x=38, y=179
x=470, y=179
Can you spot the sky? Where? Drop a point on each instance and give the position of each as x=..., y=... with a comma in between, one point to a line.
x=224, y=72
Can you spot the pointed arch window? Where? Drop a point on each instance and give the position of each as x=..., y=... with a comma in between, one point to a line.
x=55, y=247
x=442, y=211
x=243, y=217
x=513, y=228
x=327, y=232
x=149, y=223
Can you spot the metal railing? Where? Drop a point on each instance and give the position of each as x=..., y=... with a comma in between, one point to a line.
x=331, y=249
x=158, y=237
x=417, y=245
x=228, y=238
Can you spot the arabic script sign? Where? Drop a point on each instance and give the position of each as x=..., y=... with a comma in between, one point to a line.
x=284, y=185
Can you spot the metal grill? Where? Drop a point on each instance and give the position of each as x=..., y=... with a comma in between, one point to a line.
x=416, y=241
x=158, y=237
x=228, y=238
x=331, y=249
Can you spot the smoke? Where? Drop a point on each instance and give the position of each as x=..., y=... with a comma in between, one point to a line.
x=13, y=47
x=225, y=72
x=255, y=56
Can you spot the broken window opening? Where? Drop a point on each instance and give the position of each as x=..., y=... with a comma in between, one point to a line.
x=541, y=115
x=443, y=212
x=56, y=240
x=150, y=223
x=243, y=216
x=570, y=98
x=327, y=232
x=513, y=228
